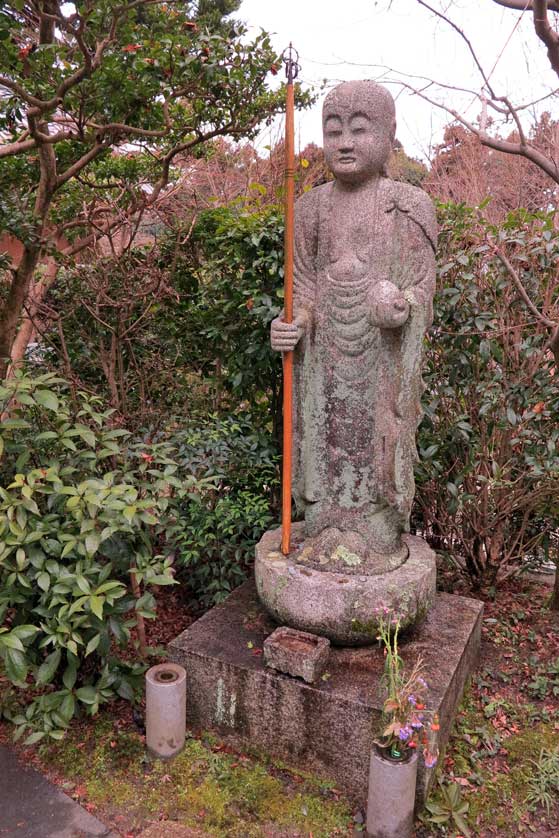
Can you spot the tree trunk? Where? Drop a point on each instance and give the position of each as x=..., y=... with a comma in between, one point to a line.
x=27, y=328
x=19, y=289
x=17, y=294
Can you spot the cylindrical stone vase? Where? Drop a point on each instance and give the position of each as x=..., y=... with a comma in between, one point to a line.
x=391, y=797
x=165, y=710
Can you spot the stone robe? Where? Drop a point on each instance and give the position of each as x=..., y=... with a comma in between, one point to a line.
x=357, y=387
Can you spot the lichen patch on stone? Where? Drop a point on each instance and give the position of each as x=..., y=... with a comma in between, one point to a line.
x=341, y=553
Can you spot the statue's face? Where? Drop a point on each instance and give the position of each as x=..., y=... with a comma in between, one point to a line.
x=357, y=144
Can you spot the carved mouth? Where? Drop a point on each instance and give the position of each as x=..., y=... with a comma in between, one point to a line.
x=347, y=159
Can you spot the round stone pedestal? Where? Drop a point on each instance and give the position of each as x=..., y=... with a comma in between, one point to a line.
x=341, y=606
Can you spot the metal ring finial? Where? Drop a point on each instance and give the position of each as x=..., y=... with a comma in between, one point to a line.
x=290, y=58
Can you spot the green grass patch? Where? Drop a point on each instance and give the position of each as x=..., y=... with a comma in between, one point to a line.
x=224, y=794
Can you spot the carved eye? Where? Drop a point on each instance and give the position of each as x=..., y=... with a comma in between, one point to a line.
x=359, y=125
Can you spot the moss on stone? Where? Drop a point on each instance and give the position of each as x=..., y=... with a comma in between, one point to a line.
x=500, y=802
x=341, y=553
x=309, y=814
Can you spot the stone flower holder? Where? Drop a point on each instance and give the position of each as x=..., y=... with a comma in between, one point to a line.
x=391, y=796
x=165, y=710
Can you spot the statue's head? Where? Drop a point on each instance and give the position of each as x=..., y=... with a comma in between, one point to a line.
x=359, y=125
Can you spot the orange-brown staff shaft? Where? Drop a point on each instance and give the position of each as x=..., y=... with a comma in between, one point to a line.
x=291, y=69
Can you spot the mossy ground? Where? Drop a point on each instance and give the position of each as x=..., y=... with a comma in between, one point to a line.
x=207, y=786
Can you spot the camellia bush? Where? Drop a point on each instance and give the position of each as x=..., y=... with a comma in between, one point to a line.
x=83, y=513
x=92, y=522
x=488, y=477
x=98, y=79
x=179, y=327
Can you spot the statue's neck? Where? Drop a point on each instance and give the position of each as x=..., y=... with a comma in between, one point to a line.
x=359, y=187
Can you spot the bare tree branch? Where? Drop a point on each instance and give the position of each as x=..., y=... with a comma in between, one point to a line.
x=466, y=40
x=83, y=161
x=122, y=128
x=508, y=146
x=512, y=111
x=385, y=79
x=16, y=148
x=505, y=261
x=9, y=84
x=553, y=343
x=545, y=33
x=526, y=5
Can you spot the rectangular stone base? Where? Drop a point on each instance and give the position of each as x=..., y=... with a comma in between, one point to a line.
x=325, y=728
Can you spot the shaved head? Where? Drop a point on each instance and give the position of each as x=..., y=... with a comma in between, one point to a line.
x=364, y=96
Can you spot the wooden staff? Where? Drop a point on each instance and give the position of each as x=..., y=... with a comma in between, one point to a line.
x=290, y=57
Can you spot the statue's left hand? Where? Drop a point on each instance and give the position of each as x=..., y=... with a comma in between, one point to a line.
x=389, y=307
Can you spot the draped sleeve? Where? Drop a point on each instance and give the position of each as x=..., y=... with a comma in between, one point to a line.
x=414, y=266
x=306, y=249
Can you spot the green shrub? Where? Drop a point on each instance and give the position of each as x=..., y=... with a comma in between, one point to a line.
x=182, y=326
x=488, y=475
x=219, y=525
x=235, y=265
x=81, y=518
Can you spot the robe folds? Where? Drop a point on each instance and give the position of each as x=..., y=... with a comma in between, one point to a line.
x=357, y=386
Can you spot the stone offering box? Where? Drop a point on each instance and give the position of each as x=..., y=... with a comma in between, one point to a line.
x=297, y=653
x=327, y=727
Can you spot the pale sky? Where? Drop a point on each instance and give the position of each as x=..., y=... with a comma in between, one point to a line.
x=337, y=40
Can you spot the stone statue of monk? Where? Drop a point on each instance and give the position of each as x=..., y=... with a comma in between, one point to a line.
x=363, y=290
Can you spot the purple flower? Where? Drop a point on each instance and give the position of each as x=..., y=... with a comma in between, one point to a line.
x=412, y=700
x=416, y=724
x=423, y=682
x=430, y=759
x=404, y=733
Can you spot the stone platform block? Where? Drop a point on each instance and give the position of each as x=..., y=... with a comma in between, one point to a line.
x=327, y=727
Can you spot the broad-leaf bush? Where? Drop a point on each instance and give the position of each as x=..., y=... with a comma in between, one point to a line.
x=79, y=514
x=218, y=526
x=181, y=326
x=235, y=263
x=92, y=520
x=488, y=476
